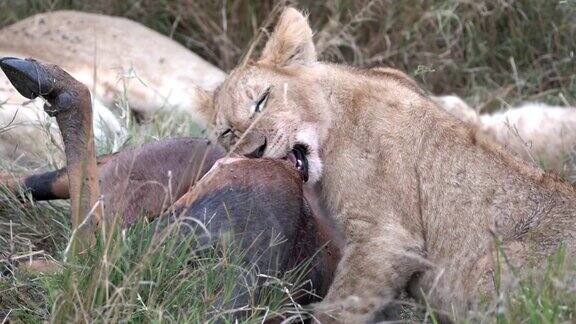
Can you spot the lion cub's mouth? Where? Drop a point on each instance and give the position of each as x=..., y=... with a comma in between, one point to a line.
x=298, y=159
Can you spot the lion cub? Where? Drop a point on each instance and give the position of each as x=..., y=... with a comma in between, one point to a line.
x=422, y=198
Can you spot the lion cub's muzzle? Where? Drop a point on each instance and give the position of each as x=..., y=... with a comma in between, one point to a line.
x=296, y=157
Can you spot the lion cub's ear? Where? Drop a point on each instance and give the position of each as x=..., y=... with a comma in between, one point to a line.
x=291, y=42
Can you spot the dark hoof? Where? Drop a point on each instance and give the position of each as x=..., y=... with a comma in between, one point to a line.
x=28, y=76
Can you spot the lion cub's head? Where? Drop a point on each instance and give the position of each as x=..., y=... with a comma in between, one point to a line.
x=275, y=107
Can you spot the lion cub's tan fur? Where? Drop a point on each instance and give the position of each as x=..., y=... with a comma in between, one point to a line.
x=422, y=197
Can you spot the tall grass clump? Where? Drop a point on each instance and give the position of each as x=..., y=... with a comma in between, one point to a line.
x=546, y=296
x=540, y=293
x=145, y=275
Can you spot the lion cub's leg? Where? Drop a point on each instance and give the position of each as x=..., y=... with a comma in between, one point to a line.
x=372, y=272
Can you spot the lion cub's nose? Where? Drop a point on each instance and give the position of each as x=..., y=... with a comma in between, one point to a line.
x=258, y=152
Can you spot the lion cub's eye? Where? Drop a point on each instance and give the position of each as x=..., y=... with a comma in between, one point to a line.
x=225, y=133
x=261, y=102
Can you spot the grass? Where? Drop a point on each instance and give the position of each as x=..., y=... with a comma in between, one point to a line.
x=491, y=52
x=546, y=297
x=143, y=275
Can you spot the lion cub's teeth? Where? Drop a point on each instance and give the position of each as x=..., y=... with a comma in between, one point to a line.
x=299, y=164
